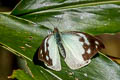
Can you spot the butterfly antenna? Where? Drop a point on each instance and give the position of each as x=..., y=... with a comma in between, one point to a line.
x=59, y=20
x=51, y=23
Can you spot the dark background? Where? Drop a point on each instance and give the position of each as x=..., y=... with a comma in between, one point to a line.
x=7, y=5
x=8, y=61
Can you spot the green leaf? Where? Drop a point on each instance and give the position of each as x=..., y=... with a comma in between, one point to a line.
x=31, y=6
x=21, y=75
x=94, y=17
x=18, y=34
x=22, y=35
x=100, y=68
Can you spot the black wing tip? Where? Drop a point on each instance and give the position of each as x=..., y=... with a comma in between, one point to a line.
x=36, y=61
x=102, y=45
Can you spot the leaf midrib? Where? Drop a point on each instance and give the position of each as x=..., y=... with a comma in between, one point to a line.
x=14, y=51
x=70, y=6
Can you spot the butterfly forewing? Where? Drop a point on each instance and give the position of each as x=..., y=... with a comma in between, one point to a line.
x=48, y=52
x=91, y=44
x=79, y=47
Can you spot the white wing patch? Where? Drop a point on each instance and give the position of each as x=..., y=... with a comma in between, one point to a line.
x=41, y=52
x=54, y=54
x=47, y=58
x=89, y=51
x=96, y=42
x=45, y=44
x=86, y=40
x=74, y=50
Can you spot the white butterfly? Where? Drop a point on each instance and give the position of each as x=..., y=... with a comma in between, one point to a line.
x=75, y=47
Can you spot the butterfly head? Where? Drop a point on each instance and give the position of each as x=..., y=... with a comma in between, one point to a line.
x=55, y=30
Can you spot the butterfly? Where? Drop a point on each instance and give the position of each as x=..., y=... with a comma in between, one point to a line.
x=77, y=49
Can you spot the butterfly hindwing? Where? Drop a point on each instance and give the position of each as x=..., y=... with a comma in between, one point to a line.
x=48, y=53
x=79, y=47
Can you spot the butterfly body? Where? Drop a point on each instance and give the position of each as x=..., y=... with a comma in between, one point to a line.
x=57, y=36
x=75, y=47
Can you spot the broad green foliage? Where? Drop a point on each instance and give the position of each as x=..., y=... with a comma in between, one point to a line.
x=21, y=75
x=23, y=31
